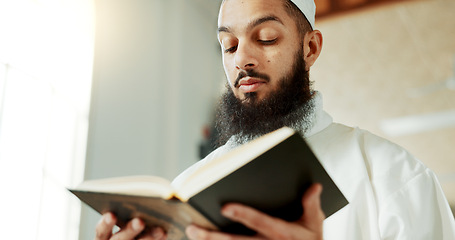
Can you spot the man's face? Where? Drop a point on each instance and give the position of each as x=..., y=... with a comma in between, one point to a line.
x=259, y=41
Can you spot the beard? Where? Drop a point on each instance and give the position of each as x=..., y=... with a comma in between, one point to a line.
x=288, y=105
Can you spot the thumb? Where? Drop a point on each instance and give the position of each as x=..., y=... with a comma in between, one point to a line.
x=313, y=216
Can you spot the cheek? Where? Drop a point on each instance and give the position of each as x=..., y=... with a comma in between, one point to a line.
x=275, y=65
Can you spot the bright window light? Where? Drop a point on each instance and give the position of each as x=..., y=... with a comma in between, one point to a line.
x=46, y=57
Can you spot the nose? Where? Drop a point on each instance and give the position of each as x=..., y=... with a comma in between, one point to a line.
x=245, y=57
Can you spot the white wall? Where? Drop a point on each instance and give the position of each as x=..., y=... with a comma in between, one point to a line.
x=157, y=74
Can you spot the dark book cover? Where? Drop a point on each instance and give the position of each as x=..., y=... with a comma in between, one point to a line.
x=273, y=183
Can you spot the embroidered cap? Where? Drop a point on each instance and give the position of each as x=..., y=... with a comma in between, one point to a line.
x=308, y=8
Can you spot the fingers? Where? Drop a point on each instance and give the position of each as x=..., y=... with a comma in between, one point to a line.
x=104, y=227
x=196, y=233
x=313, y=216
x=132, y=229
x=310, y=226
x=265, y=225
x=156, y=233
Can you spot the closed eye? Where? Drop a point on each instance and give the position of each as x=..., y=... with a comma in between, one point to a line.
x=268, y=42
x=231, y=49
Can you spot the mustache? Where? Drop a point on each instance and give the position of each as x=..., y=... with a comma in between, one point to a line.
x=251, y=73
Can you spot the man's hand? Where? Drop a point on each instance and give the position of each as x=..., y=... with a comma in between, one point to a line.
x=130, y=232
x=309, y=227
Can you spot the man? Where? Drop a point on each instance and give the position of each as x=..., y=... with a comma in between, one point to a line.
x=268, y=48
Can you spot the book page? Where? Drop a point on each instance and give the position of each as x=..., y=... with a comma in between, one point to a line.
x=130, y=185
x=231, y=161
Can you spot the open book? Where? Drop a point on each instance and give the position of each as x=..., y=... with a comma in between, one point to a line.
x=270, y=173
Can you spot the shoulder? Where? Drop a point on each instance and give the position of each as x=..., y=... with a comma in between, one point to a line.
x=376, y=151
x=366, y=157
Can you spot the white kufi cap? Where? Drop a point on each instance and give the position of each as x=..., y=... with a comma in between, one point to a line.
x=308, y=8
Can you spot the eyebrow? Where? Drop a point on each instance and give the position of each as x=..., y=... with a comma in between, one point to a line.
x=253, y=23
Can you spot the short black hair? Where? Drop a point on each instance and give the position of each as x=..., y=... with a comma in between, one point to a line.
x=303, y=25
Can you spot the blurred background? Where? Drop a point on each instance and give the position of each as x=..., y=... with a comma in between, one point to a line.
x=102, y=88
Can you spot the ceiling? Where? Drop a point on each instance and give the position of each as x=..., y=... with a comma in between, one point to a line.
x=334, y=7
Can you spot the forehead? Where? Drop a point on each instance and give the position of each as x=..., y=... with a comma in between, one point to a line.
x=238, y=13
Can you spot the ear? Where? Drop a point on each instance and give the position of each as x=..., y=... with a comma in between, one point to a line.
x=312, y=46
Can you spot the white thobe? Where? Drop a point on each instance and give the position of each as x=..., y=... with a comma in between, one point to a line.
x=391, y=194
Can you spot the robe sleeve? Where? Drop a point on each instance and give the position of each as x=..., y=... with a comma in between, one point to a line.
x=418, y=210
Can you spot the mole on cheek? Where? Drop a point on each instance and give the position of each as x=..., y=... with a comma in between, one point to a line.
x=268, y=60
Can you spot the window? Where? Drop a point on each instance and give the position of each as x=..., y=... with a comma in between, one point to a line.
x=46, y=51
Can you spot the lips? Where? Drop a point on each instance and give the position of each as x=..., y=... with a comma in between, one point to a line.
x=249, y=84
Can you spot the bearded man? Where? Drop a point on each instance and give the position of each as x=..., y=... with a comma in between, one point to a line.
x=268, y=48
